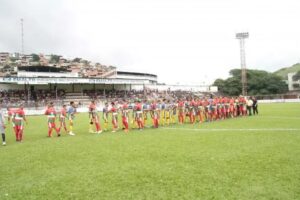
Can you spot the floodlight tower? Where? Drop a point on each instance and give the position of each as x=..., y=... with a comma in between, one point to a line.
x=242, y=36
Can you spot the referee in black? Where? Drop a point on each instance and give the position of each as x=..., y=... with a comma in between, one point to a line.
x=254, y=106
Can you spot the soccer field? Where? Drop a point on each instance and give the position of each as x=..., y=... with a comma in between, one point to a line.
x=255, y=157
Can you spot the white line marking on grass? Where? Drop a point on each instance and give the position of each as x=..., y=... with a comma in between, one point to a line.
x=235, y=129
x=280, y=117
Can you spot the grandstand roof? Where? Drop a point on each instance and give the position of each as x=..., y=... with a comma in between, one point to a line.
x=135, y=73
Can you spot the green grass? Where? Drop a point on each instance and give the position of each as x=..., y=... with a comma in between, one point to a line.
x=180, y=163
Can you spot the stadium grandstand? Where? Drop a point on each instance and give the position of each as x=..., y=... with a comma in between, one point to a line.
x=34, y=84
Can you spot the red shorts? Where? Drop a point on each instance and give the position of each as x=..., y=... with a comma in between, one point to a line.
x=51, y=124
x=18, y=127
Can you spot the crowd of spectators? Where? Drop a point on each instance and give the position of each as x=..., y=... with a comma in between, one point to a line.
x=46, y=95
x=40, y=98
x=116, y=95
x=30, y=98
x=12, y=95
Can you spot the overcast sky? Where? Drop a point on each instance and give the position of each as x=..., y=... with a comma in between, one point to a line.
x=186, y=41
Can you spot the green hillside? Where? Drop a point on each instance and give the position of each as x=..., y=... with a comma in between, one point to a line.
x=284, y=71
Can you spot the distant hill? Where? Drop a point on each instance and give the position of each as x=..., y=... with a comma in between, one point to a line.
x=284, y=71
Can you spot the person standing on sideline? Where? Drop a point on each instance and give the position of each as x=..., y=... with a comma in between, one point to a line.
x=249, y=106
x=254, y=106
x=2, y=127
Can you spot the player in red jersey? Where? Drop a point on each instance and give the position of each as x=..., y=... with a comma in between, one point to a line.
x=214, y=113
x=205, y=105
x=219, y=108
x=94, y=118
x=181, y=114
x=114, y=112
x=154, y=114
x=139, y=112
x=225, y=107
x=232, y=107
x=62, y=118
x=19, y=118
x=192, y=113
x=200, y=110
x=242, y=106
x=51, y=114
x=125, y=119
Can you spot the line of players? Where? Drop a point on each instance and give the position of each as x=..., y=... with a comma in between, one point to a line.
x=162, y=112
x=17, y=118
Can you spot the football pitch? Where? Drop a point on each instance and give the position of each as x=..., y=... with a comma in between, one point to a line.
x=256, y=157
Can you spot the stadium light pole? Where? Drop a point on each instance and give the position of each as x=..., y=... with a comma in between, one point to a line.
x=242, y=36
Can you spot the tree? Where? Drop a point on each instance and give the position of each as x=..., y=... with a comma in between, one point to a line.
x=220, y=83
x=35, y=58
x=6, y=68
x=296, y=77
x=258, y=83
x=54, y=58
x=296, y=85
x=13, y=59
x=85, y=62
x=76, y=60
